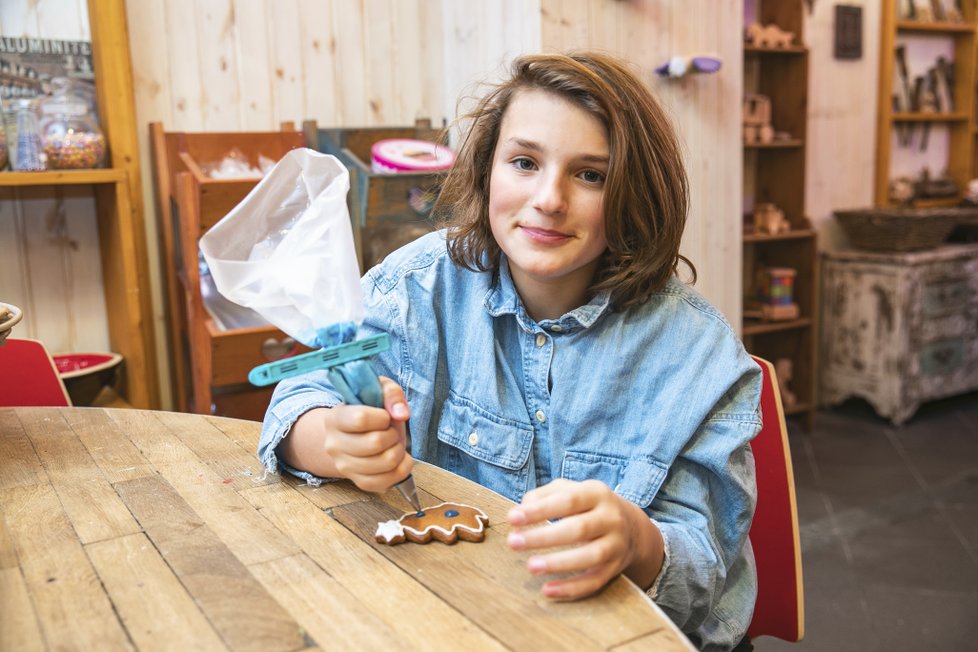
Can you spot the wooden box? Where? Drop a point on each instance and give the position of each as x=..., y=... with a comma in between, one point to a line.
x=387, y=210
x=210, y=362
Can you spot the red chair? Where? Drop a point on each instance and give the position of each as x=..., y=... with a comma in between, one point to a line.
x=28, y=376
x=780, y=607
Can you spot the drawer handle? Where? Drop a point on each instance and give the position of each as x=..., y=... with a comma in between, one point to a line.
x=273, y=349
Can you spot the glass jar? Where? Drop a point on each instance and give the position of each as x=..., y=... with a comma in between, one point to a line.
x=27, y=155
x=70, y=132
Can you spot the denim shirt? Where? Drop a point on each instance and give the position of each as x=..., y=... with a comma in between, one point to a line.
x=659, y=402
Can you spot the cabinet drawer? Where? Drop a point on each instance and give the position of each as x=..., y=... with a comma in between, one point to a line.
x=236, y=352
x=248, y=404
x=942, y=357
x=945, y=297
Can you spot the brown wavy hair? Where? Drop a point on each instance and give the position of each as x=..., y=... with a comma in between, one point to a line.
x=646, y=196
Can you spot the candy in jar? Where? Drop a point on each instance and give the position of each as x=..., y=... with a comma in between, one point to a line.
x=70, y=133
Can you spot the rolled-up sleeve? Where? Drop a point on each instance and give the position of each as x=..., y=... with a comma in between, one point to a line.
x=292, y=398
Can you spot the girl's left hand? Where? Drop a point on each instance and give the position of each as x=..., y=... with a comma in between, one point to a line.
x=602, y=533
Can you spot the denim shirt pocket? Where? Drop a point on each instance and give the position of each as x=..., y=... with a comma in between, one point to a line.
x=488, y=449
x=635, y=480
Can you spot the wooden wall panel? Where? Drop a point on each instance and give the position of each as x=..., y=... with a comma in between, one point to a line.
x=841, y=122
x=704, y=109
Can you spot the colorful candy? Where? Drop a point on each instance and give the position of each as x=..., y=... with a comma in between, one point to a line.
x=74, y=149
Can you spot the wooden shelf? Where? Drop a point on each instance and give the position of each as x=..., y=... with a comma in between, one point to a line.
x=796, y=234
x=935, y=27
x=936, y=202
x=62, y=177
x=957, y=126
x=957, y=116
x=775, y=173
x=794, y=49
x=777, y=144
x=759, y=327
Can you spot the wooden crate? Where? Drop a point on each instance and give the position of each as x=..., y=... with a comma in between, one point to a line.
x=380, y=204
x=210, y=363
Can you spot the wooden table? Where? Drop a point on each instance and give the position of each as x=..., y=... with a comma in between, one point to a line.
x=124, y=529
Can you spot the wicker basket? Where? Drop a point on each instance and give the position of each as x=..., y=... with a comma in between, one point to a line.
x=901, y=229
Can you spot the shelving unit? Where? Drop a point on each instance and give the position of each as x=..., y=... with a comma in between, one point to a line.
x=959, y=122
x=775, y=172
x=213, y=344
x=117, y=191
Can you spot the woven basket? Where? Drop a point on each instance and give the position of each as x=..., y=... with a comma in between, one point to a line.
x=901, y=229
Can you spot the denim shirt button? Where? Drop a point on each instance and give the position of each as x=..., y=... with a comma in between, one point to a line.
x=541, y=339
x=473, y=439
x=541, y=417
x=556, y=328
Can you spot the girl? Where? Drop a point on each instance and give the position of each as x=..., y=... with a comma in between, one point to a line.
x=543, y=347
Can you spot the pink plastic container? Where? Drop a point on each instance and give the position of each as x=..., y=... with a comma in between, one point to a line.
x=404, y=155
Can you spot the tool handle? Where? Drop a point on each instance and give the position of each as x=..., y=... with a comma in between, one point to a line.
x=272, y=372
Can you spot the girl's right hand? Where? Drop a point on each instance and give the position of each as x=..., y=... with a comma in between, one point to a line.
x=366, y=445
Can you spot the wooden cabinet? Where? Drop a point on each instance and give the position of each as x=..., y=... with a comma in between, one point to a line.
x=907, y=121
x=387, y=210
x=117, y=190
x=214, y=343
x=776, y=91
x=899, y=328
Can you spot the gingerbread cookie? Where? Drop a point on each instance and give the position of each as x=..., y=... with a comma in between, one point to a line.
x=447, y=522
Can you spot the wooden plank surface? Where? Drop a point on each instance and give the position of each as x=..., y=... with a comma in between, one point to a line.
x=86, y=496
x=156, y=609
x=71, y=606
x=421, y=619
x=238, y=607
x=129, y=529
x=19, y=629
x=19, y=464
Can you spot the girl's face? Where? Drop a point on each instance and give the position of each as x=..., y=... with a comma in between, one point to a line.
x=546, y=195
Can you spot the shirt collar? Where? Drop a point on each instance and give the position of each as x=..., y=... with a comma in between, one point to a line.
x=502, y=299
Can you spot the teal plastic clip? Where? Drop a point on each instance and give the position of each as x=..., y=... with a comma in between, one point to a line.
x=272, y=372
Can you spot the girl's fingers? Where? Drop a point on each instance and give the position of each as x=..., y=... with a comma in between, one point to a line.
x=579, y=586
x=558, y=499
x=565, y=532
x=394, y=400
x=366, y=444
x=575, y=560
x=378, y=473
x=359, y=418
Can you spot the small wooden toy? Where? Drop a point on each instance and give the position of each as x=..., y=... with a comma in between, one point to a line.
x=768, y=218
x=784, y=369
x=775, y=291
x=769, y=36
x=757, y=119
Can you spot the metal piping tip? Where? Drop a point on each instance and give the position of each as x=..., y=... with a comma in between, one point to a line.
x=410, y=492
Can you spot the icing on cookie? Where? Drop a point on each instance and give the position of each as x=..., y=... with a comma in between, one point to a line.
x=447, y=522
x=389, y=530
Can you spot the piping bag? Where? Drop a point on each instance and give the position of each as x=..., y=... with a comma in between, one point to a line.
x=287, y=252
